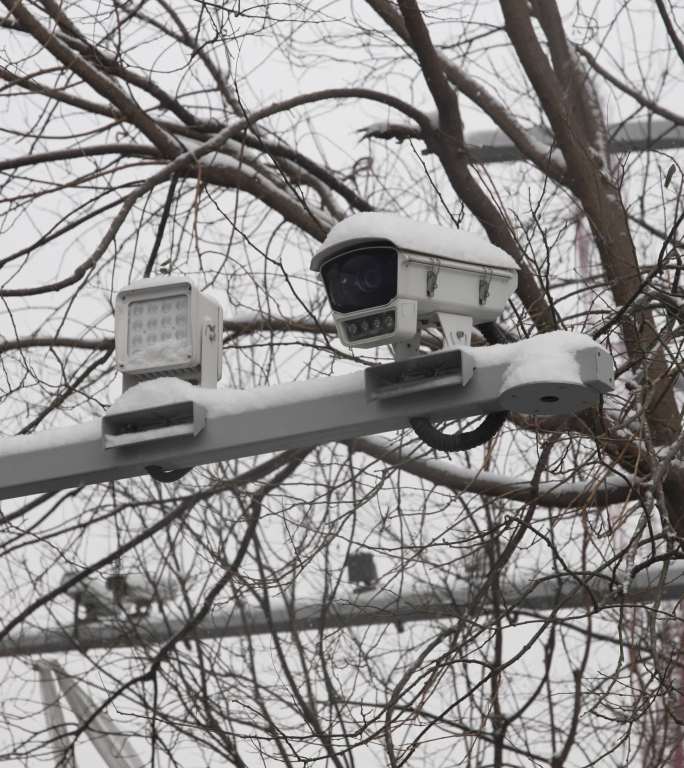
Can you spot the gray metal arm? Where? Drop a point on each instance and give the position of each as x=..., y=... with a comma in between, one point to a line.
x=558, y=375
x=493, y=146
x=381, y=607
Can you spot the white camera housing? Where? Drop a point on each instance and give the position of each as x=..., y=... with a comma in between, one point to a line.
x=164, y=326
x=387, y=277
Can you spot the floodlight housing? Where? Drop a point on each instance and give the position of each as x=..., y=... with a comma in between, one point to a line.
x=387, y=277
x=164, y=326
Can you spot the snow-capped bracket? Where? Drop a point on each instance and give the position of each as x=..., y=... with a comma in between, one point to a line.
x=451, y=367
x=129, y=428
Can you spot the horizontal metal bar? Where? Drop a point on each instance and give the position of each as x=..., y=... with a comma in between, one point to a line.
x=494, y=146
x=302, y=414
x=367, y=608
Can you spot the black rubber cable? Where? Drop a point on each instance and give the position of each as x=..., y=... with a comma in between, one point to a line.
x=459, y=441
x=464, y=441
x=166, y=475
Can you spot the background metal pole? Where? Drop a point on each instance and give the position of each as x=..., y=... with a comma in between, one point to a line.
x=493, y=146
x=366, y=608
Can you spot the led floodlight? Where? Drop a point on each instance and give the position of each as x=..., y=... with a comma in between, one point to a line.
x=164, y=326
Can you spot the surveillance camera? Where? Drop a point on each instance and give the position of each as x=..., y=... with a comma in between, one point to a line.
x=387, y=277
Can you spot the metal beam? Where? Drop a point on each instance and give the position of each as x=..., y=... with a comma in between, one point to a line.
x=380, y=607
x=239, y=423
x=494, y=146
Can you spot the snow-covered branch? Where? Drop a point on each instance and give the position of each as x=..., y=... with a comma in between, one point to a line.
x=599, y=492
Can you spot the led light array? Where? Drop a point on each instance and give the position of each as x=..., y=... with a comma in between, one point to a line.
x=164, y=326
x=370, y=325
x=158, y=324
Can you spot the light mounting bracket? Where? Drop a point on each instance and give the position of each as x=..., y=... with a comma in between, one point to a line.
x=144, y=425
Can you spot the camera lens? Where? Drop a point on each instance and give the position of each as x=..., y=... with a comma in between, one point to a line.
x=370, y=279
x=361, y=279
